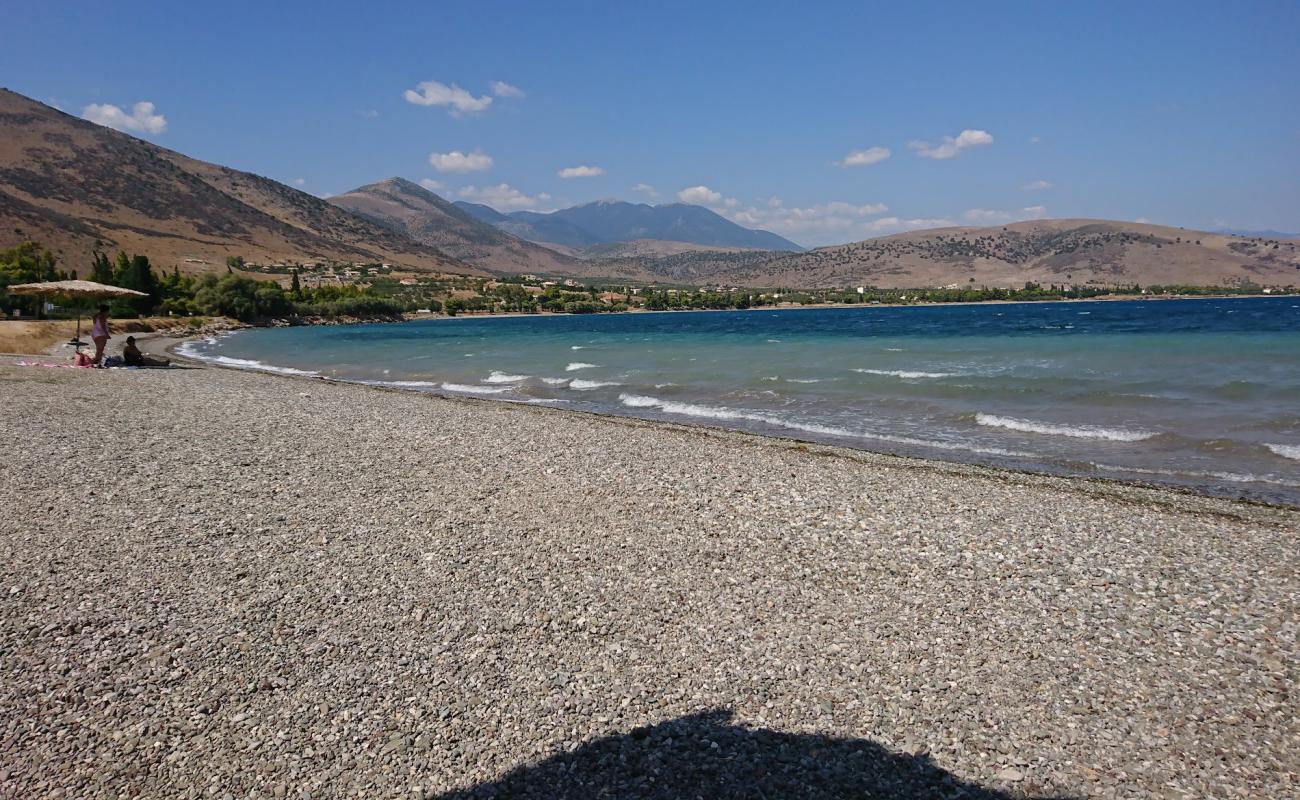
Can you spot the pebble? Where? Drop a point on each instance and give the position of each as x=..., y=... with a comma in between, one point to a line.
x=376, y=593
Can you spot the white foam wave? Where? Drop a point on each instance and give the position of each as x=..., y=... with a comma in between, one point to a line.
x=586, y=386
x=906, y=374
x=460, y=387
x=1076, y=431
x=1231, y=477
x=1285, y=450
x=722, y=413
x=243, y=363
x=501, y=377
x=402, y=384
x=576, y=365
x=578, y=347
x=803, y=380
x=555, y=381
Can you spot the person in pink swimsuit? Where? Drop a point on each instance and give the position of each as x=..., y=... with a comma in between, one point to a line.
x=99, y=334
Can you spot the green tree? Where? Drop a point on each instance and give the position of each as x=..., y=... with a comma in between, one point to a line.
x=295, y=288
x=234, y=263
x=26, y=263
x=136, y=273
x=101, y=270
x=242, y=298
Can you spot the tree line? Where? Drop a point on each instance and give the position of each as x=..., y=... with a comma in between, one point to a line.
x=174, y=294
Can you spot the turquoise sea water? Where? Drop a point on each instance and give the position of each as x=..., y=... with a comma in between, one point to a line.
x=1201, y=393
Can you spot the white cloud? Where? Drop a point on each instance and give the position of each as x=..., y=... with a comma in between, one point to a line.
x=456, y=161
x=1034, y=140
x=865, y=158
x=952, y=146
x=456, y=99
x=142, y=118
x=369, y=113
x=1037, y=186
x=582, y=171
x=824, y=222
x=645, y=189
x=299, y=181
x=503, y=89
x=503, y=196
x=432, y=185
x=700, y=195
x=985, y=216
x=888, y=225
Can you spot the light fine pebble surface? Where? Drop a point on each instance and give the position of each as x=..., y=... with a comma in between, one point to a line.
x=224, y=584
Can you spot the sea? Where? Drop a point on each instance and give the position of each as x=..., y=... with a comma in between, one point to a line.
x=1198, y=393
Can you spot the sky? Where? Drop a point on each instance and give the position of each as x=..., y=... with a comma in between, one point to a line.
x=825, y=122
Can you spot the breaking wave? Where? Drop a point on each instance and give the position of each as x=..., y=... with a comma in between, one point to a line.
x=460, y=387
x=905, y=373
x=1285, y=450
x=403, y=384
x=188, y=351
x=584, y=386
x=723, y=413
x=501, y=377
x=579, y=365
x=1077, y=431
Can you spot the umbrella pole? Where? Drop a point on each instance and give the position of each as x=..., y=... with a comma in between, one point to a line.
x=76, y=340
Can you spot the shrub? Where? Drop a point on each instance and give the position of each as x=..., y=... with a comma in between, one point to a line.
x=244, y=299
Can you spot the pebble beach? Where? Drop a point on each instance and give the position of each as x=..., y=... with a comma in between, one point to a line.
x=217, y=583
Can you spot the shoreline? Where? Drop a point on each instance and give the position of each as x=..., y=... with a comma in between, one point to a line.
x=364, y=592
x=163, y=345
x=412, y=316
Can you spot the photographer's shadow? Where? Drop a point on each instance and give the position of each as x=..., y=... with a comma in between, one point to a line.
x=704, y=756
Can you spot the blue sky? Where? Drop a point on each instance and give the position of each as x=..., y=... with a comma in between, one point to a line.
x=1179, y=113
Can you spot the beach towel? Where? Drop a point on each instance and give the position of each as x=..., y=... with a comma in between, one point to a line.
x=47, y=364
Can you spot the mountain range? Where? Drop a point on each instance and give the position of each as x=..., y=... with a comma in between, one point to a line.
x=77, y=187
x=612, y=221
x=410, y=209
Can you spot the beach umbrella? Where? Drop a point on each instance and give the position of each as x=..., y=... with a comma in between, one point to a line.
x=77, y=291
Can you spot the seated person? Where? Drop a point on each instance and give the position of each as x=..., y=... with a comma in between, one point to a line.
x=134, y=358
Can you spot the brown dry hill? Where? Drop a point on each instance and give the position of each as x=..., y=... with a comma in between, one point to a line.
x=75, y=187
x=1066, y=251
